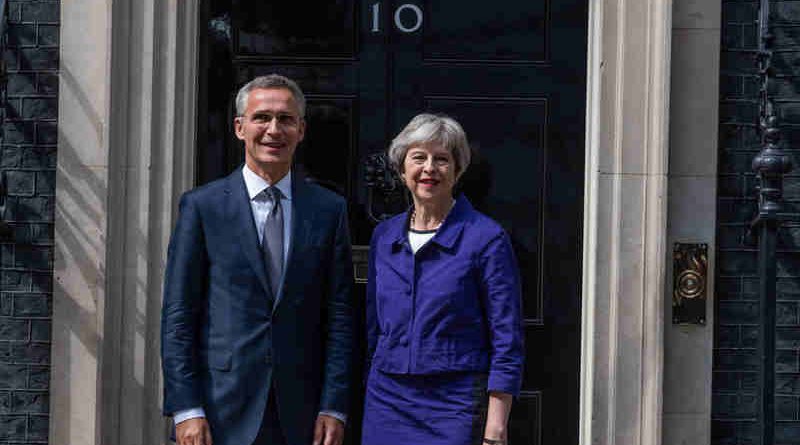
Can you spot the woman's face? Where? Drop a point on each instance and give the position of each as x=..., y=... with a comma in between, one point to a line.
x=429, y=172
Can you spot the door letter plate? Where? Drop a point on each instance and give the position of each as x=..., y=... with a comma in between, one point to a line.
x=689, y=278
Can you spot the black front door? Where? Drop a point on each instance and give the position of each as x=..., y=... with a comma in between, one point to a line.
x=512, y=72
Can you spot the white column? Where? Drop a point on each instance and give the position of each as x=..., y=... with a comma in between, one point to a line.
x=126, y=150
x=80, y=222
x=625, y=221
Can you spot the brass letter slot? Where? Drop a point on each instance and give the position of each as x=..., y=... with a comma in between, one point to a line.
x=690, y=275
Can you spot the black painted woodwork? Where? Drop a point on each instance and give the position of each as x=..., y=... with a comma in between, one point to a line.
x=513, y=74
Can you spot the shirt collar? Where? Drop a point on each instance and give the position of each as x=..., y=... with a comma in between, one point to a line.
x=256, y=184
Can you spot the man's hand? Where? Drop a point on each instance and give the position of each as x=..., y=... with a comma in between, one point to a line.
x=193, y=432
x=328, y=430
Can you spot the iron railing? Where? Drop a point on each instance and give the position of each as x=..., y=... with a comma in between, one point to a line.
x=770, y=166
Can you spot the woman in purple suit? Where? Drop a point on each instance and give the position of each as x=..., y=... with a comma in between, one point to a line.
x=445, y=346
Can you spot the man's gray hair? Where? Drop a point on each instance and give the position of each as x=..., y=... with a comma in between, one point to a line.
x=437, y=129
x=266, y=82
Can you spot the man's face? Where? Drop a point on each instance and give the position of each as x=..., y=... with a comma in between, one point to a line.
x=271, y=128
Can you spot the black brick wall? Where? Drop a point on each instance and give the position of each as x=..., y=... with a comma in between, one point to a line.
x=28, y=162
x=735, y=381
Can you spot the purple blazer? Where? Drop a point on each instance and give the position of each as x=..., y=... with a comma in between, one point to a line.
x=454, y=306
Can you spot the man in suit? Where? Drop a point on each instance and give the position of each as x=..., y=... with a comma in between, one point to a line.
x=257, y=323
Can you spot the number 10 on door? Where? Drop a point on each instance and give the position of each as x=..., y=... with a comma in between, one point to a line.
x=407, y=17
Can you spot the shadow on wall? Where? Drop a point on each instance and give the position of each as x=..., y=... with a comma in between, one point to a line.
x=79, y=276
x=108, y=288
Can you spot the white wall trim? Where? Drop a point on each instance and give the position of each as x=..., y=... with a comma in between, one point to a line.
x=80, y=222
x=137, y=90
x=694, y=124
x=660, y=23
x=625, y=222
x=590, y=209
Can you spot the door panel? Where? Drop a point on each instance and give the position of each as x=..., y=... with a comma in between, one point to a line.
x=512, y=73
x=293, y=29
x=515, y=32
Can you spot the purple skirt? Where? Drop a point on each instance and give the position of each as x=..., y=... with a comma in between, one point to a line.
x=433, y=409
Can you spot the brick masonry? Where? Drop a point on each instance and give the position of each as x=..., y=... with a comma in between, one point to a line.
x=27, y=164
x=735, y=400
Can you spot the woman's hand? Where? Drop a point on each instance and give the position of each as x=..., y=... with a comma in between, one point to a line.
x=497, y=418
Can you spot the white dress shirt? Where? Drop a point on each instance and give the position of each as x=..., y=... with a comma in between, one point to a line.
x=261, y=206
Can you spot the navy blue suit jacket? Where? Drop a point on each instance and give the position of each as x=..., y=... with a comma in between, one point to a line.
x=226, y=340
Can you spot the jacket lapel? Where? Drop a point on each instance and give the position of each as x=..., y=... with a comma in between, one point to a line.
x=302, y=215
x=240, y=217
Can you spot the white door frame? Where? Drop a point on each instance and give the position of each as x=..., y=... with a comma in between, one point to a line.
x=625, y=222
x=127, y=150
